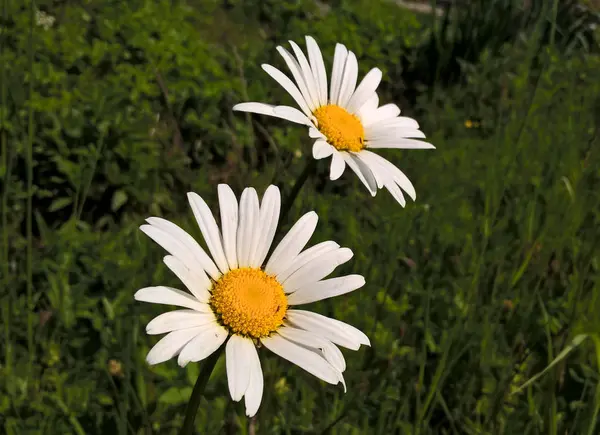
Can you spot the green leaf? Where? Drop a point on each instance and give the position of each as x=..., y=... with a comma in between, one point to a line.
x=59, y=204
x=176, y=396
x=118, y=199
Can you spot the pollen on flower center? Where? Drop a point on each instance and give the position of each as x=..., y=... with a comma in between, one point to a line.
x=342, y=129
x=249, y=302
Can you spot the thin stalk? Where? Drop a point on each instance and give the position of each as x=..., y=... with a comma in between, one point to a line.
x=198, y=391
x=30, y=344
x=289, y=200
x=6, y=170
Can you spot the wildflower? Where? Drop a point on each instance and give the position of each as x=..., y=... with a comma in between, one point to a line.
x=345, y=120
x=233, y=297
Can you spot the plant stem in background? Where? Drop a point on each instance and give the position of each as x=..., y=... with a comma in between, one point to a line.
x=289, y=199
x=198, y=392
x=29, y=197
x=6, y=171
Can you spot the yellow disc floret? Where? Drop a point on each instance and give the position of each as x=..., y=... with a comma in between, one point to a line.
x=342, y=129
x=249, y=302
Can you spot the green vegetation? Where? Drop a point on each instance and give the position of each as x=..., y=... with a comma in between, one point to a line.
x=472, y=290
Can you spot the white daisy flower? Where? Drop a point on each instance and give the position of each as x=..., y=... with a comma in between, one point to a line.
x=234, y=296
x=347, y=122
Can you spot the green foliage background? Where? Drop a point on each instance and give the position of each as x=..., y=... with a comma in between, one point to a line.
x=471, y=290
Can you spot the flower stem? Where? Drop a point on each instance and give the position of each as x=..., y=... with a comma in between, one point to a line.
x=289, y=199
x=198, y=391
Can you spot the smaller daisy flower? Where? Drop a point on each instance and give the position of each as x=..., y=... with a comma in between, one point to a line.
x=346, y=120
x=233, y=297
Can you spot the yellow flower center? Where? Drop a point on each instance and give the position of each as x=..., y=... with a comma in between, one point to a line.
x=249, y=302
x=342, y=129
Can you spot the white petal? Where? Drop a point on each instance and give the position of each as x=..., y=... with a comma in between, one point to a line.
x=339, y=61
x=394, y=122
x=170, y=296
x=268, y=219
x=293, y=242
x=289, y=86
x=229, y=222
x=269, y=110
x=196, y=280
x=315, y=134
x=396, y=174
x=180, y=244
x=237, y=352
x=306, y=256
x=203, y=344
x=210, y=230
x=369, y=106
x=377, y=132
x=299, y=78
x=335, y=331
x=179, y=319
x=307, y=73
x=303, y=358
x=248, y=227
x=318, y=68
x=349, y=79
x=254, y=392
x=374, y=166
x=383, y=113
x=322, y=149
x=336, y=169
x=292, y=114
x=411, y=144
x=329, y=288
x=316, y=269
x=362, y=171
x=171, y=344
x=311, y=340
x=365, y=90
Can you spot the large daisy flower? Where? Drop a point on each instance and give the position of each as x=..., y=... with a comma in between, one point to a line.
x=234, y=297
x=347, y=122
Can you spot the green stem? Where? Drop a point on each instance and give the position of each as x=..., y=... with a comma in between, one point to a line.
x=197, y=393
x=30, y=344
x=311, y=164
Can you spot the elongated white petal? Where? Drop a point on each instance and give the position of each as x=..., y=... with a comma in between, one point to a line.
x=268, y=219
x=180, y=244
x=303, y=358
x=328, y=288
x=179, y=319
x=362, y=171
x=333, y=330
x=203, y=344
x=383, y=113
x=210, y=230
x=293, y=242
x=292, y=114
x=269, y=110
x=299, y=78
x=339, y=61
x=349, y=78
x=375, y=168
x=315, y=134
x=396, y=174
x=289, y=86
x=237, y=353
x=229, y=222
x=254, y=392
x=305, y=257
x=318, y=68
x=338, y=164
x=170, y=296
x=411, y=144
x=171, y=344
x=316, y=269
x=314, y=341
x=322, y=149
x=248, y=226
x=394, y=122
x=307, y=73
x=393, y=133
x=196, y=280
x=369, y=106
x=365, y=90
